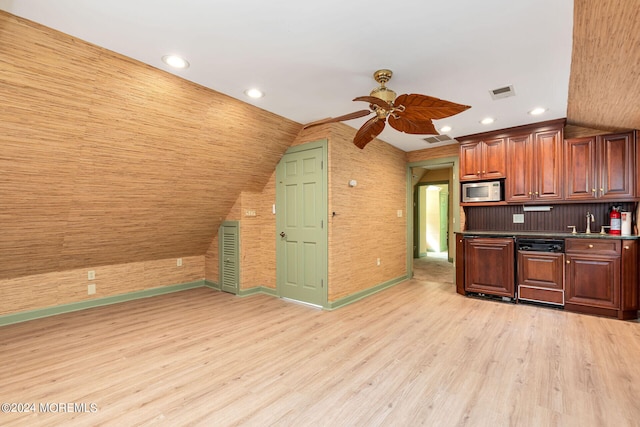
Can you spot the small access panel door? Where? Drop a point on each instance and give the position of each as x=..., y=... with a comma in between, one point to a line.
x=229, y=256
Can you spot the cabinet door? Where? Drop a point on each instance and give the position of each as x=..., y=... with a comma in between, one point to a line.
x=489, y=266
x=519, y=167
x=493, y=155
x=593, y=280
x=629, y=280
x=470, y=161
x=547, y=172
x=541, y=270
x=616, y=169
x=580, y=165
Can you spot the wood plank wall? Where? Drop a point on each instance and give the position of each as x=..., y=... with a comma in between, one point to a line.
x=604, y=85
x=365, y=227
x=493, y=218
x=107, y=161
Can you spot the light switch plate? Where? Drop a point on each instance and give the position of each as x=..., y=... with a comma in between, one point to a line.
x=518, y=218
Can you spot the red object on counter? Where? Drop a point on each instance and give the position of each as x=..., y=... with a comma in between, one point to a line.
x=615, y=220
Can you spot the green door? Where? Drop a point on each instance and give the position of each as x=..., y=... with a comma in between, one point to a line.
x=301, y=225
x=229, y=256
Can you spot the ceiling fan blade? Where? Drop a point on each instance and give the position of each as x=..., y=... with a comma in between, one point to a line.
x=349, y=116
x=368, y=131
x=423, y=107
x=416, y=127
x=375, y=101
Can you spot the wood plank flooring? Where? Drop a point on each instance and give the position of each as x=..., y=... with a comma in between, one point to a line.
x=414, y=354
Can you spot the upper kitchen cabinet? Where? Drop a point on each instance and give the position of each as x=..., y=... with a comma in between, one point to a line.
x=600, y=167
x=482, y=159
x=534, y=166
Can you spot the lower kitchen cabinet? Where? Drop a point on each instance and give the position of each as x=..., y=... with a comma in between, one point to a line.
x=541, y=277
x=629, y=297
x=489, y=266
x=602, y=277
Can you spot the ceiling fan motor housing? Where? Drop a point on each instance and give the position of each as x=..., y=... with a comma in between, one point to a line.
x=384, y=93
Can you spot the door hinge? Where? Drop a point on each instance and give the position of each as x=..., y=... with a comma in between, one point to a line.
x=321, y=164
x=321, y=283
x=321, y=223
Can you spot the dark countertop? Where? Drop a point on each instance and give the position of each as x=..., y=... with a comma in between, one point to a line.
x=544, y=234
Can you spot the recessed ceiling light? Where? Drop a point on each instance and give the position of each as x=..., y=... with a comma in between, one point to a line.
x=175, y=61
x=445, y=129
x=254, y=93
x=537, y=111
x=487, y=120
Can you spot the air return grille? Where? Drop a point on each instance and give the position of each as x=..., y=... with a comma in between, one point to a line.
x=502, y=92
x=438, y=138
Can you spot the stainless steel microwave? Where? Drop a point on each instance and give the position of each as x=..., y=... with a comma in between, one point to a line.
x=489, y=191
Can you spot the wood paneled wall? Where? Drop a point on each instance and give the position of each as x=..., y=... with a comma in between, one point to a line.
x=500, y=218
x=64, y=287
x=451, y=150
x=107, y=161
x=366, y=225
x=604, y=85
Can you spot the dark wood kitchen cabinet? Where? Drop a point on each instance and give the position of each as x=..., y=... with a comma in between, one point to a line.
x=600, y=167
x=482, y=159
x=489, y=266
x=630, y=298
x=592, y=274
x=541, y=277
x=534, y=167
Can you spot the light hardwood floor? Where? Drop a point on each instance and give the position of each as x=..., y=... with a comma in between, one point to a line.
x=414, y=354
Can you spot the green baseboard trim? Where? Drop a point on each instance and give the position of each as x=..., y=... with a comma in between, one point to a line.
x=257, y=290
x=23, y=316
x=212, y=285
x=332, y=305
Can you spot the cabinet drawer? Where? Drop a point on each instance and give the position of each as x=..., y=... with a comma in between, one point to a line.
x=541, y=295
x=599, y=246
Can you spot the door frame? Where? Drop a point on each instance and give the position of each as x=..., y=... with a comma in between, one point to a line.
x=454, y=191
x=324, y=269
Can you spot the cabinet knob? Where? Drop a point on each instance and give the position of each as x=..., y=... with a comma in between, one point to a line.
x=590, y=246
x=593, y=190
x=530, y=193
x=537, y=193
x=478, y=172
x=627, y=247
x=484, y=171
x=568, y=262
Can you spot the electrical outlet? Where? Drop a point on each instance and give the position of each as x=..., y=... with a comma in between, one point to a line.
x=249, y=212
x=378, y=261
x=179, y=262
x=518, y=218
x=399, y=213
x=91, y=289
x=91, y=275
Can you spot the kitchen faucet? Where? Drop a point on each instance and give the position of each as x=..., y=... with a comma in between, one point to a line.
x=590, y=219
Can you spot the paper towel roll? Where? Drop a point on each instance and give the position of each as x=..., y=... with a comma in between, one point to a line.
x=625, y=229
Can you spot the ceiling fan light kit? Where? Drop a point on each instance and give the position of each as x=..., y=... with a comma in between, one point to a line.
x=408, y=113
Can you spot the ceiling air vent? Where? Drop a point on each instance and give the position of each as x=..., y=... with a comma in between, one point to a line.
x=438, y=138
x=502, y=92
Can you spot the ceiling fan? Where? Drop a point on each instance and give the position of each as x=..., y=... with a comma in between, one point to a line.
x=409, y=113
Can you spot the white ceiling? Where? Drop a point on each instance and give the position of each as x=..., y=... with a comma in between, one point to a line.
x=312, y=58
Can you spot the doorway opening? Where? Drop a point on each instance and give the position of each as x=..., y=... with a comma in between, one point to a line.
x=433, y=207
x=433, y=219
